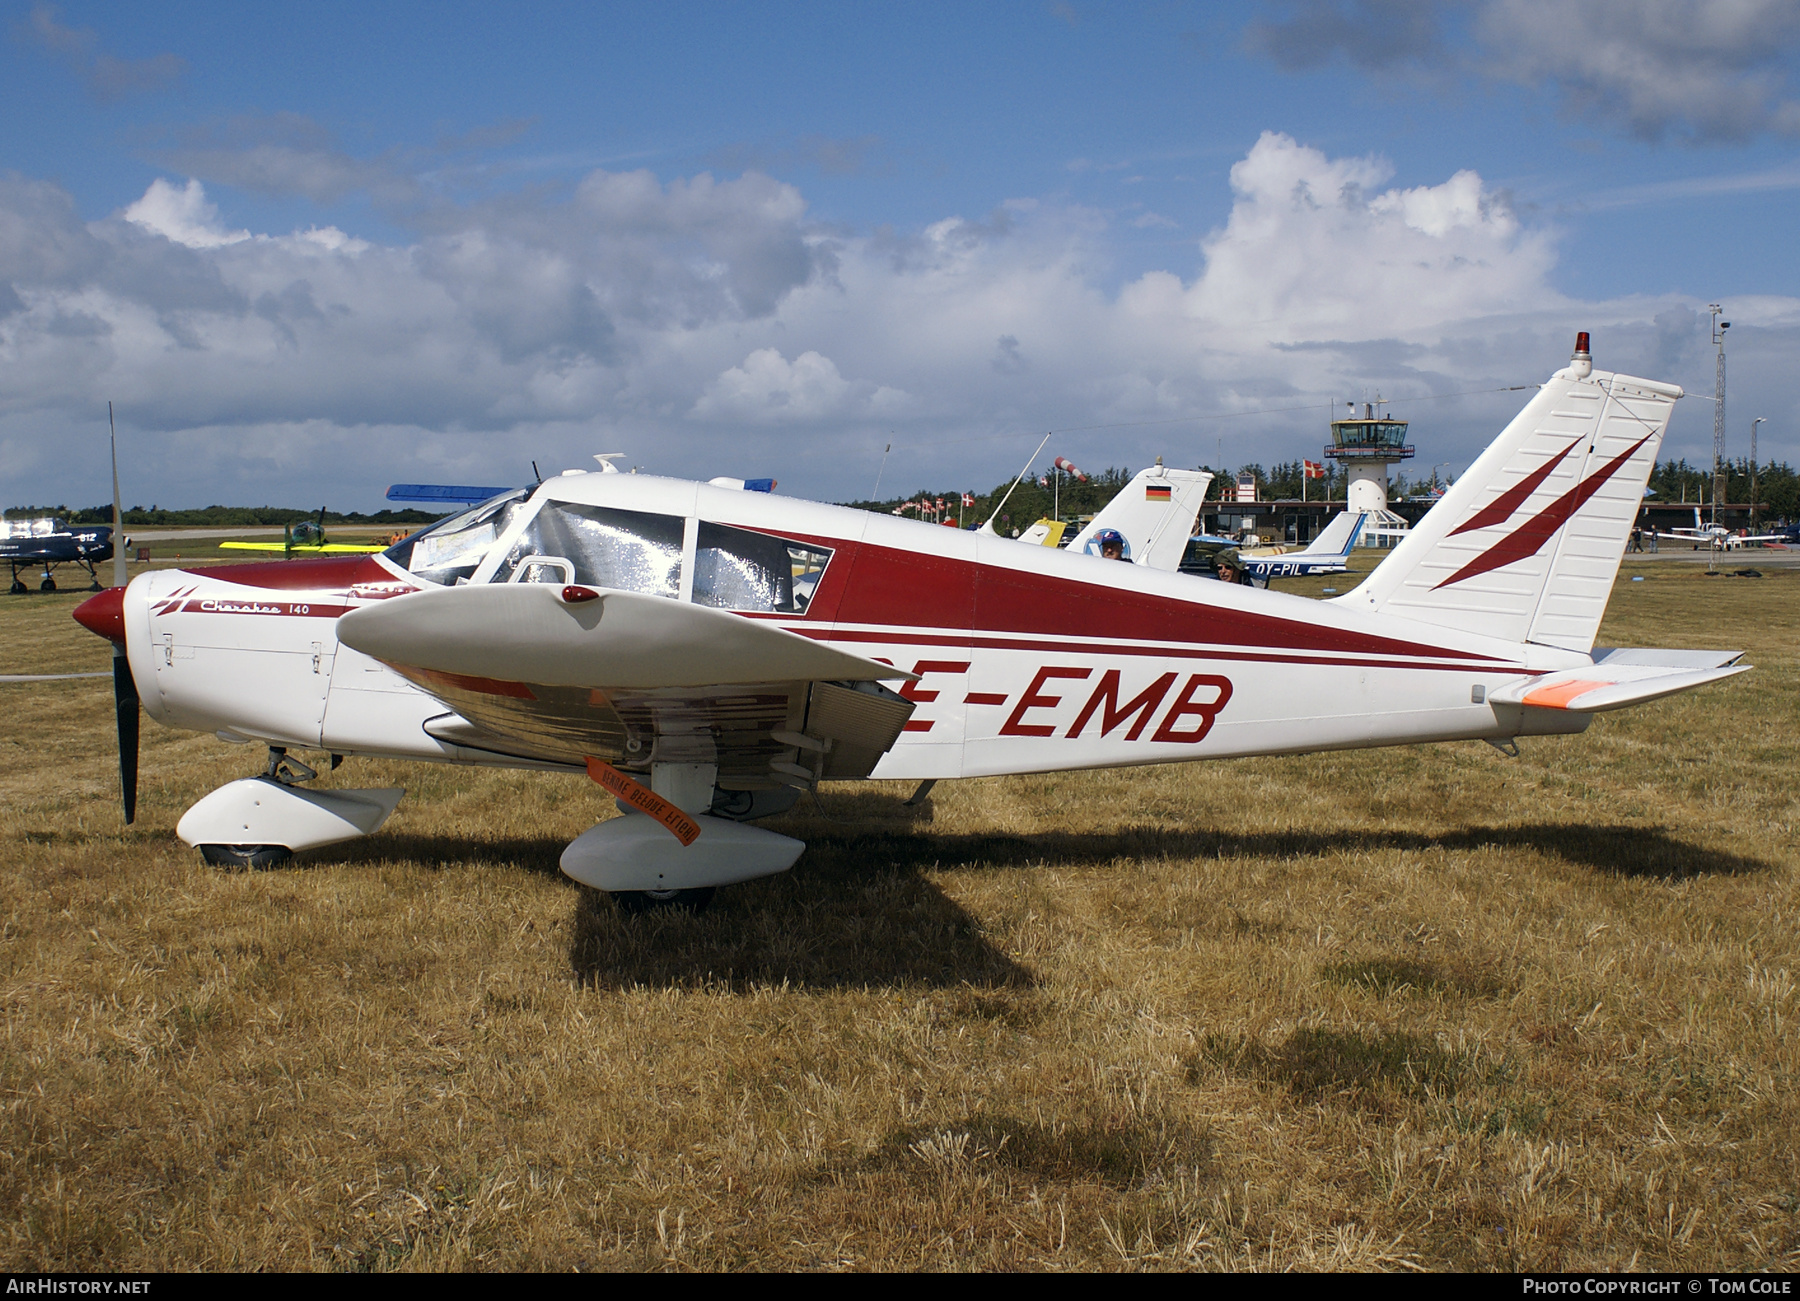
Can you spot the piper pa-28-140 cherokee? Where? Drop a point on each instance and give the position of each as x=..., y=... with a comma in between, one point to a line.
x=707, y=653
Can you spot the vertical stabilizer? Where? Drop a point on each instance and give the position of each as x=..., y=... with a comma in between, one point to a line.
x=1526, y=544
x=1336, y=539
x=1155, y=512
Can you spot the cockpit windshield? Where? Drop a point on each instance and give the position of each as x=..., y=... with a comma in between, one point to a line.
x=451, y=550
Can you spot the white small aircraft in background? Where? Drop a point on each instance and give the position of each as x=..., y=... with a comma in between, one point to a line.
x=1719, y=538
x=1153, y=515
x=706, y=653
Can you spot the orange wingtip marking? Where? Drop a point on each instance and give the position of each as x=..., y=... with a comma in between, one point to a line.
x=1558, y=694
x=486, y=686
x=645, y=800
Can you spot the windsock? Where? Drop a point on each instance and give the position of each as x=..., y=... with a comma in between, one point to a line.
x=1067, y=468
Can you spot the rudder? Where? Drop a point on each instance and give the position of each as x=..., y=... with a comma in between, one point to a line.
x=1525, y=546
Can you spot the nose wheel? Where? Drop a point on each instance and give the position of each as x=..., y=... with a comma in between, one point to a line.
x=636, y=903
x=246, y=857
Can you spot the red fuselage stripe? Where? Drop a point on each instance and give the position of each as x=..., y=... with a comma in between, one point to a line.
x=956, y=641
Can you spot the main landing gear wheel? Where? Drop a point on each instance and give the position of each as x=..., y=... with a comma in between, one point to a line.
x=635, y=903
x=48, y=585
x=245, y=857
x=18, y=587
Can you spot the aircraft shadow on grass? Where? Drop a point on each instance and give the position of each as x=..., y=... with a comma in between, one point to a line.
x=1640, y=852
x=860, y=908
x=850, y=919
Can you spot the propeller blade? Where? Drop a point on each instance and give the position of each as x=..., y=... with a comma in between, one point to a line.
x=125, y=704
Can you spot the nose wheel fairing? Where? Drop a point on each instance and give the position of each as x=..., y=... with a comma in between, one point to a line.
x=262, y=811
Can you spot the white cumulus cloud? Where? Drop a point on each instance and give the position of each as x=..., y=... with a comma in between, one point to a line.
x=182, y=215
x=767, y=388
x=707, y=326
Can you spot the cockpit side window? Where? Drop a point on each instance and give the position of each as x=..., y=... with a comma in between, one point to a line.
x=737, y=569
x=626, y=550
x=452, y=549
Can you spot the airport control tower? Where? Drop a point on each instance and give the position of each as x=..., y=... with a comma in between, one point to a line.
x=1365, y=446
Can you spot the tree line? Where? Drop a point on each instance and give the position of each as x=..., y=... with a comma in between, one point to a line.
x=237, y=516
x=1777, y=490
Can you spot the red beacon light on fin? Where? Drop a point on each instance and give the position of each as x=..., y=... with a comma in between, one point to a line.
x=573, y=595
x=1581, y=365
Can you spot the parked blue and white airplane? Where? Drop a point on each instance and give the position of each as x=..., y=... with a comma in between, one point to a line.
x=1329, y=553
x=49, y=542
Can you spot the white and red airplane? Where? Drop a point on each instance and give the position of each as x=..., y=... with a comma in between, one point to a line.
x=1717, y=537
x=706, y=653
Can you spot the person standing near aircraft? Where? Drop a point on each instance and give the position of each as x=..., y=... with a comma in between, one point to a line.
x=1228, y=565
x=1112, y=544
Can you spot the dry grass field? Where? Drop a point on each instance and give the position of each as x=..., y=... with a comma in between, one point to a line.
x=1426, y=1007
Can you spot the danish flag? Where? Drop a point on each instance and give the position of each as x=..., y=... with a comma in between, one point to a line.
x=968, y=499
x=1312, y=469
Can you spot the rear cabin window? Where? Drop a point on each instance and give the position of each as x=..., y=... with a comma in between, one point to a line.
x=626, y=550
x=452, y=549
x=736, y=569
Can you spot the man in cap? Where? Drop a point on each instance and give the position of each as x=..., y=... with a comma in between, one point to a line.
x=1112, y=543
x=1228, y=565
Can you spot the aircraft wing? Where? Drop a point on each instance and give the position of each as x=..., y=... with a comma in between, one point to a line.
x=565, y=673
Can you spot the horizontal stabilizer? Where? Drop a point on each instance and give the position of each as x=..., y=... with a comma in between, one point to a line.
x=529, y=633
x=449, y=493
x=1614, y=681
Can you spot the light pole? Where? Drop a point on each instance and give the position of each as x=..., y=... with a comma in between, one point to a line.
x=1718, y=337
x=1753, y=424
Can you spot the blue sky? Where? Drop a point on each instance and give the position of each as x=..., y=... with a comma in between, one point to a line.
x=313, y=251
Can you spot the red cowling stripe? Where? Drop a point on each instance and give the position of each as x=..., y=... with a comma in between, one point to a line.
x=324, y=574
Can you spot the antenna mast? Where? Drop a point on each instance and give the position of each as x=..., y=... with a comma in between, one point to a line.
x=1718, y=337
